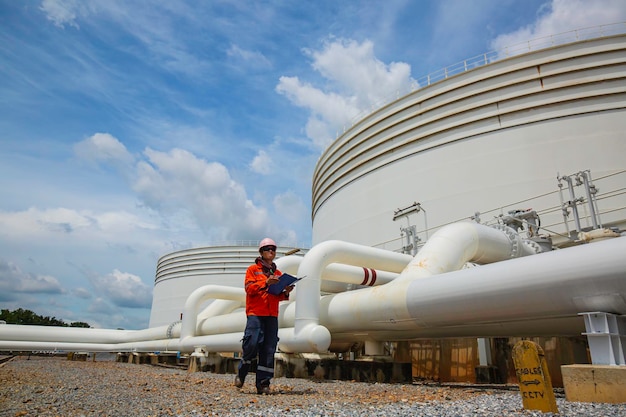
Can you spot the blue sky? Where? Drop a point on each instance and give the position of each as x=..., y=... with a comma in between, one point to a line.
x=131, y=129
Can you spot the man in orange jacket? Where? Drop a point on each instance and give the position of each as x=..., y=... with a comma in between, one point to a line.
x=260, y=337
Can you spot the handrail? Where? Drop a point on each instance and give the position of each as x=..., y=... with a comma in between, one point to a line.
x=492, y=215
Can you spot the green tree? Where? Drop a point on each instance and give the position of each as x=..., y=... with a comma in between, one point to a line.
x=28, y=317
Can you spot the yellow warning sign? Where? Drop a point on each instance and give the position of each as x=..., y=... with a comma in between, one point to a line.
x=534, y=379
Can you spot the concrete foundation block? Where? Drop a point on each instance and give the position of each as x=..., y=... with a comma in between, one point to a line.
x=214, y=363
x=487, y=375
x=327, y=367
x=594, y=383
x=77, y=356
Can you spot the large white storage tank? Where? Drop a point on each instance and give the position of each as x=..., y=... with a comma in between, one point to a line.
x=179, y=273
x=488, y=140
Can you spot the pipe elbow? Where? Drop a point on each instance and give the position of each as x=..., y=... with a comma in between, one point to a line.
x=199, y=295
x=313, y=338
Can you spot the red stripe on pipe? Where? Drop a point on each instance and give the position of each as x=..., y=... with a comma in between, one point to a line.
x=366, y=278
x=373, y=277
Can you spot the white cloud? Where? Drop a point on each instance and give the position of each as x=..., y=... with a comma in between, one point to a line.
x=13, y=280
x=561, y=16
x=57, y=222
x=123, y=289
x=179, y=181
x=252, y=59
x=137, y=21
x=104, y=148
x=182, y=196
x=61, y=12
x=357, y=82
x=35, y=223
x=330, y=111
x=321, y=132
x=356, y=71
x=261, y=163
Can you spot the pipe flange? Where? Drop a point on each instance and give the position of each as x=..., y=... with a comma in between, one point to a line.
x=533, y=245
x=170, y=329
x=513, y=238
x=468, y=265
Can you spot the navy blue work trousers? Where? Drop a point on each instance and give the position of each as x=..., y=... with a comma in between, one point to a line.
x=259, y=340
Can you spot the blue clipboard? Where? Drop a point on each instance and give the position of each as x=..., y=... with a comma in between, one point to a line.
x=285, y=281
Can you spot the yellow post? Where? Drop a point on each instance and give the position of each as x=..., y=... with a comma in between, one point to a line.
x=533, y=376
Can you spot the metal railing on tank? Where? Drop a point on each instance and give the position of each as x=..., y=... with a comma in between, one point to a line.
x=543, y=42
x=607, y=201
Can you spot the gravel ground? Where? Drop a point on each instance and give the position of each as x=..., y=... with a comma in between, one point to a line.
x=54, y=386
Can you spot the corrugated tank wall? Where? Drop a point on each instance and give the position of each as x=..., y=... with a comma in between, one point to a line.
x=179, y=273
x=488, y=140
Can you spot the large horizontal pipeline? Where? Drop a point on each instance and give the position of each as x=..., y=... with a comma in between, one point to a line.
x=533, y=295
x=536, y=295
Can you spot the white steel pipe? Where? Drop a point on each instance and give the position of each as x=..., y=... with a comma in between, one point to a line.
x=357, y=276
x=78, y=334
x=225, y=342
x=200, y=295
x=347, y=274
x=465, y=242
x=448, y=249
x=554, y=284
x=288, y=264
x=308, y=332
x=227, y=299
x=226, y=323
x=455, y=244
x=217, y=343
x=59, y=334
x=219, y=307
x=520, y=297
x=495, y=299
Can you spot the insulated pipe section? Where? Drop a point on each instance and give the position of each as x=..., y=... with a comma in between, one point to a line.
x=356, y=276
x=455, y=244
x=75, y=334
x=200, y=295
x=554, y=284
x=226, y=342
x=230, y=342
x=388, y=305
x=220, y=307
x=496, y=299
x=226, y=323
x=62, y=334
x=308, y=335
x=518, y=297
x=347, y=274
x=216, y=316
x=288, y=264
x=213, y=320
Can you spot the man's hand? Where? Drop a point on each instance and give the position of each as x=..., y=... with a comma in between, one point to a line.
x=271, y=280
x=288, y=289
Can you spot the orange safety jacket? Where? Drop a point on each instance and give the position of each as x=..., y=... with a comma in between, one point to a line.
x=259, y=302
